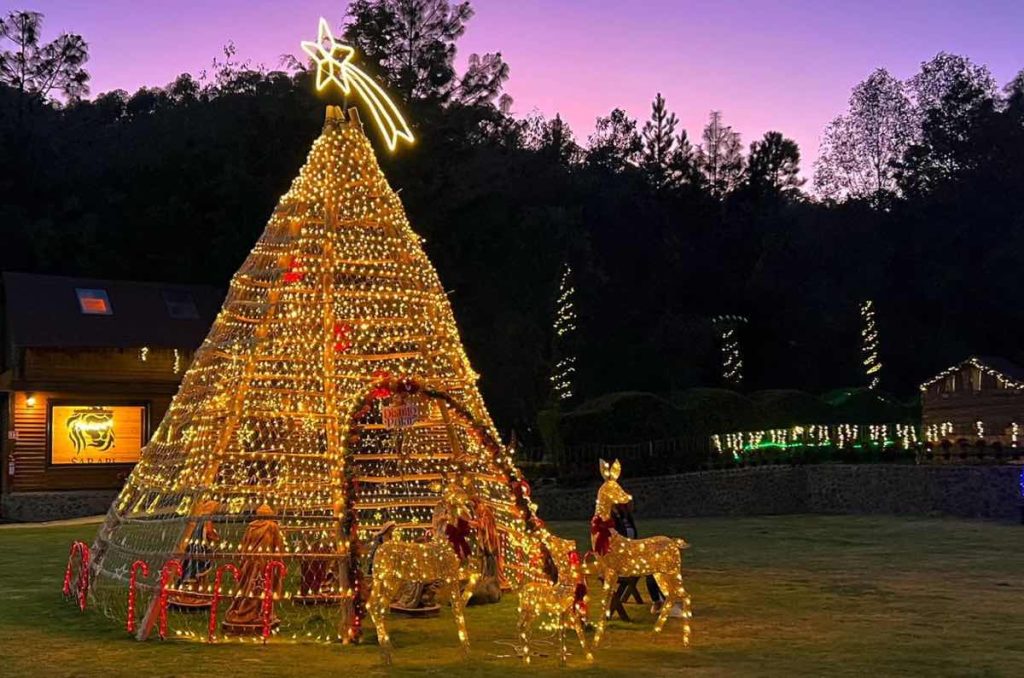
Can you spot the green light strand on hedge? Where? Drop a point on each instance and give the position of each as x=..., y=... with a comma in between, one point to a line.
x=785, y=446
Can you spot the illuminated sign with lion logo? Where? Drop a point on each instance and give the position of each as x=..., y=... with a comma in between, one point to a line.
x=91, y=428
x=96, y=434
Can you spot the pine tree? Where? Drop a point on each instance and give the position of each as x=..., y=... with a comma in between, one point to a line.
x=773, y=166
x=41, y=69
x=683, y=162
x=719, y=156
x=659, y=143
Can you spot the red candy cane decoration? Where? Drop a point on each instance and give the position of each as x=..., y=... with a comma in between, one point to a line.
x=268, y=593
x=67, y=572
x=163, y=594
x=82, y=550
x=136, y=566
x=216, y=596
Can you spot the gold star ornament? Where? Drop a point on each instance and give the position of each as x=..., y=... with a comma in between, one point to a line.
x=334, y=65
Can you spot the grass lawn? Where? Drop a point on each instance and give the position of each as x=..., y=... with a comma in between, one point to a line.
x=793, y=595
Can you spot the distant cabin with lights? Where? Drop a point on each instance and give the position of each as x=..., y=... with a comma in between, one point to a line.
x=980, y=398
x=87, y=366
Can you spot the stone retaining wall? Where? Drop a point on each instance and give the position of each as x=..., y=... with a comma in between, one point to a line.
x=990, y=492
x=41, y=506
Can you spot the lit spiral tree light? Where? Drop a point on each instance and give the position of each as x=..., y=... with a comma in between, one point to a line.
x=727, y=327
x=869, y=344
x=563, y=375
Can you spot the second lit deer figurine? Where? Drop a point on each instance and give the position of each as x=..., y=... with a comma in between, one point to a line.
x=439, y=559
x=557, y=590
x=618, y=556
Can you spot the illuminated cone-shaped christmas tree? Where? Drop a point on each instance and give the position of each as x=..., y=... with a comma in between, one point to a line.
x=331, y=397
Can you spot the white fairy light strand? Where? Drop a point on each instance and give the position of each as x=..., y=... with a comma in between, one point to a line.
x=564, y=326
x=869, y=344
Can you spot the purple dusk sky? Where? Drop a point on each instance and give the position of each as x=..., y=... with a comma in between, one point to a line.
x=767, y=65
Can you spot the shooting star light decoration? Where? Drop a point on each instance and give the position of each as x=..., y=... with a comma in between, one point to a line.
x=334, y=65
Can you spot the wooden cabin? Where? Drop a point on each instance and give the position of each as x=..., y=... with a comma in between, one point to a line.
x=981, y=398
x=88, y=368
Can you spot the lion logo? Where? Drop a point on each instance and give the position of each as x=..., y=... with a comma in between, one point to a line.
x=91, y=428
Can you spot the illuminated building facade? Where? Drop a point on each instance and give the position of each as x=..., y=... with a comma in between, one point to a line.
x=87, y=365
x=980, y=398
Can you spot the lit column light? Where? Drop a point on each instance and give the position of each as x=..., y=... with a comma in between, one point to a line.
x=869, y=344
x=564, y=372
x=732, y=357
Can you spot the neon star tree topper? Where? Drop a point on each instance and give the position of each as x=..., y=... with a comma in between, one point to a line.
x=334, y=65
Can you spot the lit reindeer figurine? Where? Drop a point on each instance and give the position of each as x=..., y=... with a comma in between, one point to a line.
x=440, y=559
x=618, y=556
x=557, y=591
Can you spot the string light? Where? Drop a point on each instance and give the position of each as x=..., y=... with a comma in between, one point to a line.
x=946, y=429
x=1001, y=379
x=739, y=443
x=732, y=357
x=564, y=326
x=869, y=343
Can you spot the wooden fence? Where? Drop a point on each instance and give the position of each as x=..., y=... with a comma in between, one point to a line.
x=648, y=458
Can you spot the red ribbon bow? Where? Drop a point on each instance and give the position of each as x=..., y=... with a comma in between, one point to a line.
x=579, y=597
x=601, y=530
x=342, y=337
x=293, y=274
x=457, y=534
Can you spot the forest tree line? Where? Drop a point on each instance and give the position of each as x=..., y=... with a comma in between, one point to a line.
x=916, y=203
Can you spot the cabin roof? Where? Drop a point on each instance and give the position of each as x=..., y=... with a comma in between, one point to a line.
x=1001, y=368
x=48, y=311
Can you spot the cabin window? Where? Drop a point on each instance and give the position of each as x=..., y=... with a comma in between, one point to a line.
x=951, y=383
x=93, y=301
x=975, y=380
x=180, y=305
